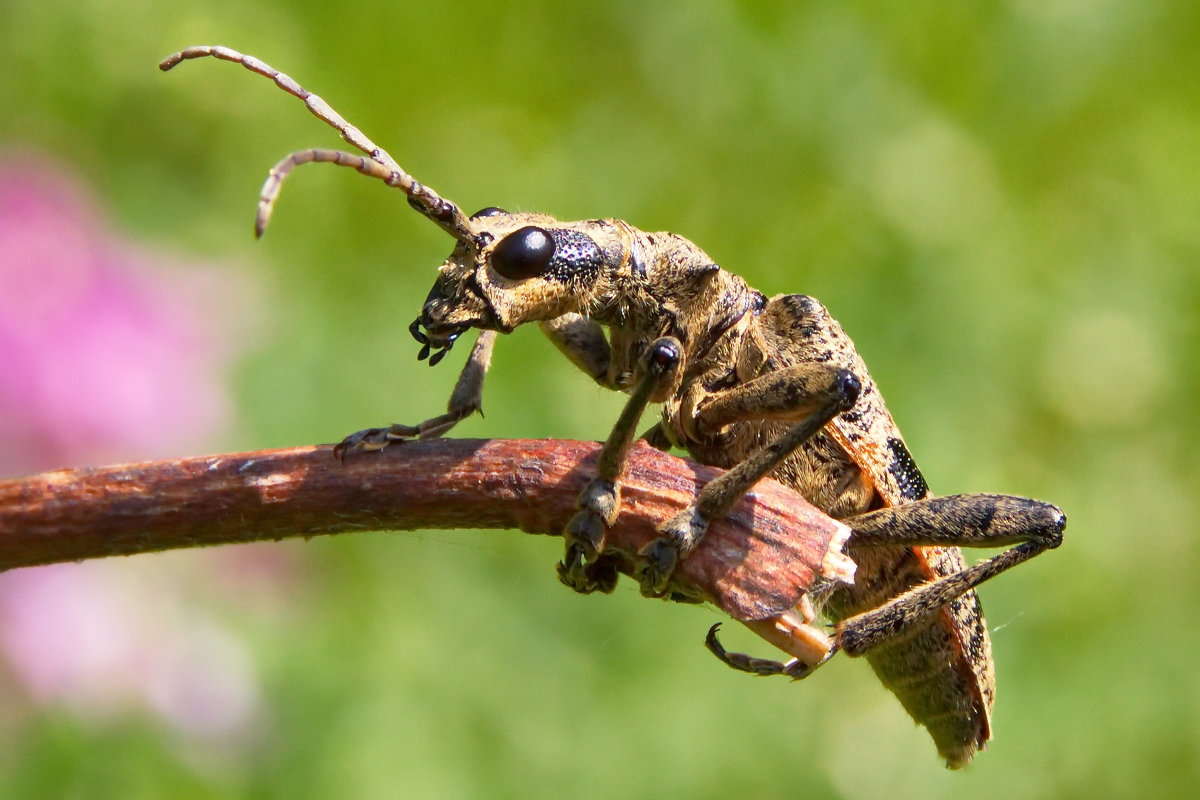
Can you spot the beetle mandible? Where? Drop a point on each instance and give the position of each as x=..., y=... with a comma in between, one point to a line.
x=753, y=384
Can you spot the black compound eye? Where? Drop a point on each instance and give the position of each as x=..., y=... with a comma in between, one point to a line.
x=490, y=211
x=523, y=254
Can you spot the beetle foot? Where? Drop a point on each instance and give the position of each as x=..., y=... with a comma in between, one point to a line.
x=585, y=577
x=374, y=439
x=794, y=669
x=679, y=537
x=659, y=559
x=599, y=504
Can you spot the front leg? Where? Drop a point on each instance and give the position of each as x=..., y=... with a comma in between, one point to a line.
x=582, y=340
x=810, y=393
x=465, y=400
x=583, y=567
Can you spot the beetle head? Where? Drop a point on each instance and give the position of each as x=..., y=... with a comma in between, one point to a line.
x=515, y=268
x=506, y=269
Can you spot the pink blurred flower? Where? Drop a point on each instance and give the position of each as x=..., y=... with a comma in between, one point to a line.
x=88, y=637
x=109, y=352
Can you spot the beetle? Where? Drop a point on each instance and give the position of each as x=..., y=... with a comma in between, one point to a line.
x=753, y=384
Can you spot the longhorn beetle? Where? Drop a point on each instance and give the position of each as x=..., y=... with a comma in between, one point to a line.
x=752, y=384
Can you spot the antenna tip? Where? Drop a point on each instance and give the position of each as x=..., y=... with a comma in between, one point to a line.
x=260, y=222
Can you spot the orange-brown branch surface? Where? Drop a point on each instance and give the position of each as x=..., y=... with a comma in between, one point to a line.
x=754, y=564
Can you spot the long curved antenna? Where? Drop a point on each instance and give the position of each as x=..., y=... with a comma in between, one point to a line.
x=381, y=165
x=274, y=182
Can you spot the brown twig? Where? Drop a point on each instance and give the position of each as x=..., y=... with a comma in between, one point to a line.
x=754, y=564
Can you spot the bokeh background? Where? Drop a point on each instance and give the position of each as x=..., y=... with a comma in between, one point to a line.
x=999, y=201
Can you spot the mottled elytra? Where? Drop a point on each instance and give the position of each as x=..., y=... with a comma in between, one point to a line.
x=756, y=385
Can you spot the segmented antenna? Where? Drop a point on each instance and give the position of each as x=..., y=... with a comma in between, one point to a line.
x=379, y=165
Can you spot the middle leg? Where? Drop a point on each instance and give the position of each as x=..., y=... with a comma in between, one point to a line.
x=584, y=568
x=813, y=394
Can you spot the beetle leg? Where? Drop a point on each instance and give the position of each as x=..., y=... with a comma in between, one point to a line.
x=465, y=400
x=968, y=520
x=582, y=567
x=656, y=436
x=794, y=669
x=582, y=340
x=811, y=393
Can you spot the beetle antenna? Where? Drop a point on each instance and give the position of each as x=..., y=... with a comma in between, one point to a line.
x=379, y=163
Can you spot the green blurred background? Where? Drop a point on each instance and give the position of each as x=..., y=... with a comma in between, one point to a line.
x=1000, y=203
